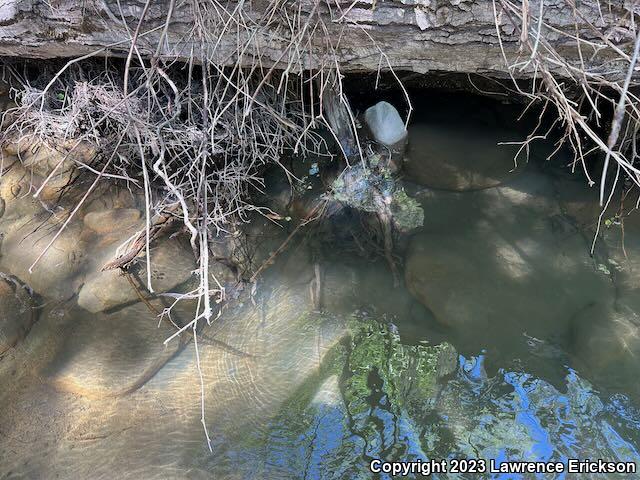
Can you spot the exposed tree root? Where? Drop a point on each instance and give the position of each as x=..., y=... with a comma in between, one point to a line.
x=579, y=93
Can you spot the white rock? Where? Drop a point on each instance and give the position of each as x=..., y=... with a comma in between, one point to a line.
x=421, y=18
x=385, y=123
x=8, y=10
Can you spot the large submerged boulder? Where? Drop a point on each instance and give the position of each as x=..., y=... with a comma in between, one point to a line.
x=607, y=342
x=108, y=221
x=100, y=355
x=59, y=273
x=255, y=358
x=51, y=168
x=506, y=259
x=456, y=143
x=171, y=265
x=616, y=251
x=31, y=221
x=459, y=158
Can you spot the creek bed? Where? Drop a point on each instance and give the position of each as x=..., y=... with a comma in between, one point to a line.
x=507, y=341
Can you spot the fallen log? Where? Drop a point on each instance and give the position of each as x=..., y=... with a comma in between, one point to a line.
x=365, y=35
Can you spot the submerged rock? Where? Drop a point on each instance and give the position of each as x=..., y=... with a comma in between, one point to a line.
x=407, y=375
x=578, y=202
x=15, y=189
x=60, y=271
x=28, y=226
x=108, y=221
x=607, y=341
x=73, y=263
x=171, y=265
x=362, y=392
x=385, y=123
x=252, y=360
x=51, y=168
x=16, y=313
x=618, y=250
x=459, y=158
x=103, y=355
x=503, y=259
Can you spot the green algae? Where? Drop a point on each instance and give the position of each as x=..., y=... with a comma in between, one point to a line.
x=407, y=212
x=371, y=369
x=358, y=188
x=408, y=373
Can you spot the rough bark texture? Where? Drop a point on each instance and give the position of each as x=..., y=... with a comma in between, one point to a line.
x=417, y=35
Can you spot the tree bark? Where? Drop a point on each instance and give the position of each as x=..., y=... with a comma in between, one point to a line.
x=415, y=35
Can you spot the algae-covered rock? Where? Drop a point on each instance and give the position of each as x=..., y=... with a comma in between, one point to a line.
x=364, y=402
x=357, y=185
x=407, y=374
x=363, y=188
x=407, y=212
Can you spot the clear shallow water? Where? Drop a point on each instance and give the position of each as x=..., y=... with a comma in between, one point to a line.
x=541, y=365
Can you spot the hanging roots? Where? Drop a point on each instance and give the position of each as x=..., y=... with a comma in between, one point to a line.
x=577, y=92
x=191, y=133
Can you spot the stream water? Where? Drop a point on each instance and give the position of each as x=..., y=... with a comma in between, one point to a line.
x=506, y=341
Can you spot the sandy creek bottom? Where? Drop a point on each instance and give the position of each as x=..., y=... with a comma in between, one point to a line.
x=506, y=341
